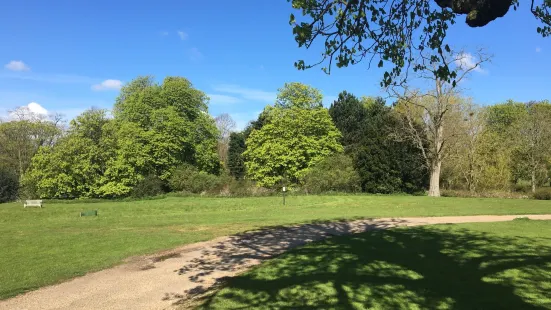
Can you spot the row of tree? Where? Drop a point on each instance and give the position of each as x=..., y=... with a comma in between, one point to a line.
x=161, y=135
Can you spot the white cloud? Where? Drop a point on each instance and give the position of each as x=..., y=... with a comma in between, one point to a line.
x=31, y=111
x=17, y=65
x=223, y=99
x=194, y=54
x=247, y=93
x=37, y=108
x=163, y=33
x=468, y=61
x=538, y=49
x=182, y=35
x=108, y=85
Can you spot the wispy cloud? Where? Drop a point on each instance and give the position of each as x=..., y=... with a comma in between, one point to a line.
x=538, y=49
x=243, y=119
x=182, y=35
x=223, y=99
x=194, y=54
x=163, y=33
x=108, y=85
x=17, y=65
x=50, y=78
x=468, y=61
x=247, y=93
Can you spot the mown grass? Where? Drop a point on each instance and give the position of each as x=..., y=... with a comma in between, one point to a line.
x=468, y=266
x=44, y=246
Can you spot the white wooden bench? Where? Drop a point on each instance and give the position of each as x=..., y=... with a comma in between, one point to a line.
x=32, y=203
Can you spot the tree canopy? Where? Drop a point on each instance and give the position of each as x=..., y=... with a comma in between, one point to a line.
x=384, y=164
x=299, y=95
x=291, y=141
x=154, y=129
x=394, y=31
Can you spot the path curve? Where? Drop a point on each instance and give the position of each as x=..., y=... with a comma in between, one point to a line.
x=162, y=280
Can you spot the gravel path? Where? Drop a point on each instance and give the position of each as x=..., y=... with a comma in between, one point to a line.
x=168, y=278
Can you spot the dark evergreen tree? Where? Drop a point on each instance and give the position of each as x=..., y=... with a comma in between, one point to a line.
x=236, y=164
x=384, y=164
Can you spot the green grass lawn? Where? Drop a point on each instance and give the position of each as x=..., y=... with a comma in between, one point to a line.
x=468, y=266
x=44, y=246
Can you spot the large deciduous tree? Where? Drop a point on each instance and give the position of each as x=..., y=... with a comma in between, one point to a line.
x=299, y=95
x=23, y=135
x=154, y=129
x=75, y=165
x=428, y=114
x=290, y=141
x=534, y=151
x=225, y=125
x=395, y=31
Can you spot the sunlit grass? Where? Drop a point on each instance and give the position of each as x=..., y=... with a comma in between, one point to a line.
x=468, y=266
x=44, y=246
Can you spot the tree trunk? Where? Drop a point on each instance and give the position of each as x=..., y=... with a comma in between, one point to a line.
x=434, y=187
x=533, y=180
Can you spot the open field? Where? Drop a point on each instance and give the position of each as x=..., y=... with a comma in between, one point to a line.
x=45, y=246
x=465, y=266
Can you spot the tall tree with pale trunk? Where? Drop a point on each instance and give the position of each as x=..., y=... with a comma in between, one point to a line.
x=426, y=113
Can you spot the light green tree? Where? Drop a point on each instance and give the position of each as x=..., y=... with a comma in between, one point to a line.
x=534, y=151
x=299, y=95
x=291, y=141
x=74, y=166
x=155, y=128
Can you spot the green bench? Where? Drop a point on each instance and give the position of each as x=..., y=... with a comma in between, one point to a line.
x=89, y=213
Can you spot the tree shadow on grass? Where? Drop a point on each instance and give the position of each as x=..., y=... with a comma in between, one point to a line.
x=413, y=268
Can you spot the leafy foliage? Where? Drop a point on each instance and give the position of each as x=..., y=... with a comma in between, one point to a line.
x=154, y=129
x=21, y=138
x=299, y=95
x=393, y=31
x=291, y=141
x=384, y=164
x=188, y=178
x=9, y=185
x=333, y=174
x=236, y=163
x=543, y=194
x=150, y=186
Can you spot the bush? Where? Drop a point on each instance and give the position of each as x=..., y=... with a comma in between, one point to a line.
x=543, y=194
x=484, y=194
x=150, y=186
x=188, y=178
x=335, y=173
x=9, y=186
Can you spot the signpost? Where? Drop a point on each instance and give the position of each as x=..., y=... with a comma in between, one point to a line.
x=284, y=190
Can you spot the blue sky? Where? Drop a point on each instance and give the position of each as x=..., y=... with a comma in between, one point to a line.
x=58, y=54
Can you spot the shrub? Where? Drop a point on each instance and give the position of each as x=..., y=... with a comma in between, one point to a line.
x=335, y=173
x=9, y=186
x=188, y=178
x=150, y=186
x=543, y=194
x=484, y=194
